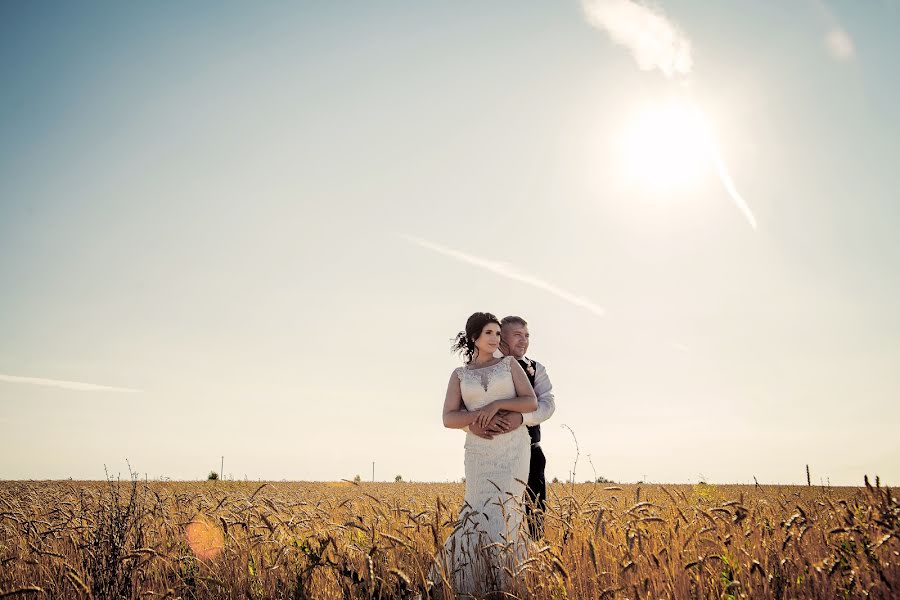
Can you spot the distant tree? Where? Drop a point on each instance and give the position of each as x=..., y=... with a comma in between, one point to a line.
x=398, y=478
x=555, y=480
x=212, y=476
x=602, y=479
x=357, y=479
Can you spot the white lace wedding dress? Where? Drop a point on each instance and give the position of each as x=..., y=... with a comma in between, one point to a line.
x=490, y=533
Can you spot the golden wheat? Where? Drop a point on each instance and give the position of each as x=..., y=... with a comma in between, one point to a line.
x=347, y=540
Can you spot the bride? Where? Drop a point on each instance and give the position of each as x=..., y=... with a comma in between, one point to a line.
x=489, y=535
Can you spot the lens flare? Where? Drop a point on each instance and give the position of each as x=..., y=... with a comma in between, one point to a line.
x=204, y=537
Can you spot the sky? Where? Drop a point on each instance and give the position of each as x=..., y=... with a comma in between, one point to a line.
x=251, y=232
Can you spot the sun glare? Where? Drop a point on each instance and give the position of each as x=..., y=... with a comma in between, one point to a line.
x=667, y=146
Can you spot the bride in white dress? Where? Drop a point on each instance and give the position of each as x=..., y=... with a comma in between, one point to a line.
x=490, y=533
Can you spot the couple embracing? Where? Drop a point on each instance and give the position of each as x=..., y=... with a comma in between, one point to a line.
x=492, y=397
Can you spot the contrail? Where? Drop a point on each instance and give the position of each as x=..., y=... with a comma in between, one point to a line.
x=724, y=176
x=721, y=168
x=510, y=272
x=654, y=41
x=69, y=385
x=678, y=346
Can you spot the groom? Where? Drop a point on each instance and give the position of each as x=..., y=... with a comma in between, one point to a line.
x=514, y=341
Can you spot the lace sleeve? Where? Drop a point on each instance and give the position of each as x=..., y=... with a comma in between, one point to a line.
x=459, y=373
x=507, y=360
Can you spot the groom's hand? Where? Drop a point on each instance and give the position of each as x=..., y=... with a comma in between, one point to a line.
x=504, y=422
x=482, y=433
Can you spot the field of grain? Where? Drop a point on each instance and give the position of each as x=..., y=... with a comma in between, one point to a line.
x=222, y=539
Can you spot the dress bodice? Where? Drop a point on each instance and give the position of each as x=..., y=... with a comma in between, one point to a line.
x=480, y=387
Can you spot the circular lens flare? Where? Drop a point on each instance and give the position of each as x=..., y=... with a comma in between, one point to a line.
x=204, y=537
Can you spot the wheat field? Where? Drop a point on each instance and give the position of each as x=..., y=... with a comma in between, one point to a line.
x=225, y=539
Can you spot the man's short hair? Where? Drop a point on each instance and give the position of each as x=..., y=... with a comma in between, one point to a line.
x=513, y=320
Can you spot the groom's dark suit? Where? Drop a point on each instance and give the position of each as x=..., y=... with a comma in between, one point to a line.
x=537, y=485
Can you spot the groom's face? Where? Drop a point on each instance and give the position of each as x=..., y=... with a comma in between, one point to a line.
x=515, y=339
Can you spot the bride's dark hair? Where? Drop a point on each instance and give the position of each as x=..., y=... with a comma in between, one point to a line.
x=464, y=343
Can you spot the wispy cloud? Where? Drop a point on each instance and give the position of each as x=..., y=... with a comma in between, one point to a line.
x=68, y=385
x=837, y=41
x=839, y=44
x=510, y=272
x=654, y=41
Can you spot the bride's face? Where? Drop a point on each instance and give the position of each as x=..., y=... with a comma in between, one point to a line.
x=489, y=340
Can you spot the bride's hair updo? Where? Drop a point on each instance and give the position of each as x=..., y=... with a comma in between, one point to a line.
x=464, y=343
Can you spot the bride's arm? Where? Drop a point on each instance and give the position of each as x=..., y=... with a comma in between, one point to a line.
x=455, y=415
x=524, y=402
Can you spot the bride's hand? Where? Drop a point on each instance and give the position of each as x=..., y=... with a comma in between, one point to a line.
x=486, y=414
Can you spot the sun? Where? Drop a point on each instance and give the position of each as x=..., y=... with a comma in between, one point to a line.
x=666, y=147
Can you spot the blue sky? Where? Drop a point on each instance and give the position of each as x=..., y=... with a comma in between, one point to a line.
x=213, y=210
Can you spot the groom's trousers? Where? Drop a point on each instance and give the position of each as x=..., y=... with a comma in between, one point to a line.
x=537, y=493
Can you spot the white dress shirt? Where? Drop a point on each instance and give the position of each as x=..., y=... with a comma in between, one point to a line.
x=543, y=389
